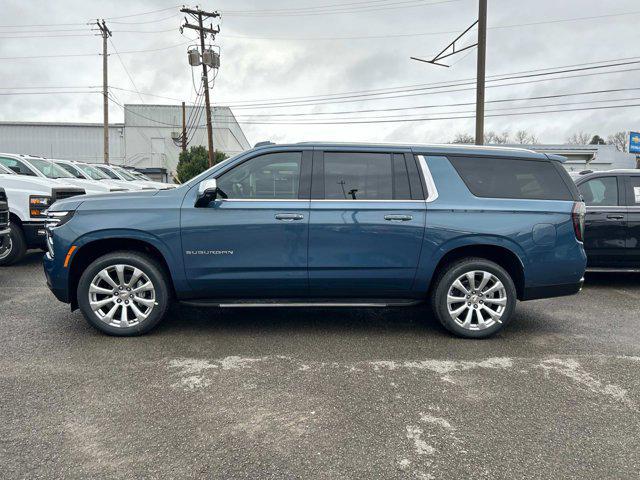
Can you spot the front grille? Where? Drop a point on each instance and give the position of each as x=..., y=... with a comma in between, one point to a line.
x=61, y=194
x=4, y=220
x=4, y=210
x=3, y=196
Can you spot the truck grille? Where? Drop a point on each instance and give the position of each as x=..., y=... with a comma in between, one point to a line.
x=4, y=210
x=61, y=194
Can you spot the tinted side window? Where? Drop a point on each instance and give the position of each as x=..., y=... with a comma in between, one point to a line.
x=274, y=176
x=16, y=166
x=358, y=176
x=633, y=191
x=601, y=191
x=401, y=188
x=511, y=178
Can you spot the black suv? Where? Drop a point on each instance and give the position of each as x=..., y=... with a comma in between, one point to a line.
x=612, y=228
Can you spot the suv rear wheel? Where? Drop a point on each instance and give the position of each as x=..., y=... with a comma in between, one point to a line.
x=123, y=293
x=13, y=248
x=474, y=298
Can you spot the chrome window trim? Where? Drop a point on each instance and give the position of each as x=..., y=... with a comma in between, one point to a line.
x=314, y=200
x=432, y=190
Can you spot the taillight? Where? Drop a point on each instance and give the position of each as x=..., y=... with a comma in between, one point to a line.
x=577, y=215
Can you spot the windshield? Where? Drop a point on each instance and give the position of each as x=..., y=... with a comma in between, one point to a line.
x=5, y=170
x=71, y=169
x=17, y=166
x=93, y=173
x=126, y=175
x=49, y=169
x=141, y=175
x=109, y=173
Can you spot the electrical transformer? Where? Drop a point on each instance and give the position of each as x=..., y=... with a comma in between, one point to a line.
x=211, y=58
x=194, y=57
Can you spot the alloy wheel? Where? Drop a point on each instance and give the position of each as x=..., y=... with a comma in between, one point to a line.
x=476, y=300
x=122, y=295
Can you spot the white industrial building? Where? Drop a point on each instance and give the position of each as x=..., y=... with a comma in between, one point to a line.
x=145, y=140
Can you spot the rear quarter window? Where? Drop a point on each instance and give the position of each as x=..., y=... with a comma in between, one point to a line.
x=512, y=178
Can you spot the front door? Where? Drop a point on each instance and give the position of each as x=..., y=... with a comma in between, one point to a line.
x=605, y=234
x=253, y=243
x=366, y=225
x=633, y=228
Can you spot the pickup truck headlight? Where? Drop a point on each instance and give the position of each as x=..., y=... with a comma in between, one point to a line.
x=38, y=205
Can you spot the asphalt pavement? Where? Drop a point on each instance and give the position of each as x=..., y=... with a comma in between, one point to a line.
x=321, y=393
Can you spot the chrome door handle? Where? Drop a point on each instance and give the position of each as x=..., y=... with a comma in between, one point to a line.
x=615, y=217
x=289, y=217
x=398, y=218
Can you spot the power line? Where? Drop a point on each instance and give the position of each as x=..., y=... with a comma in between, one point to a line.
x=143, y=13
x=460, y=104
x=47, y=93
x=314, y=7
x=424, y=34
x=181, y=44
x=443, y=84
x=420, y=91
x=441, y=118
x=337, y=11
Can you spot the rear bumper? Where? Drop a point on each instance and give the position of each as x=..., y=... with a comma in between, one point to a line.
x=549, y=291
x=35, y=234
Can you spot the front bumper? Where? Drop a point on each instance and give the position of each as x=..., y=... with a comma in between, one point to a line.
x=57, y=278
x=35, y=234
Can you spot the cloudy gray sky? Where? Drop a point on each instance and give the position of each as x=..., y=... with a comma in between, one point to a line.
x=283, y=49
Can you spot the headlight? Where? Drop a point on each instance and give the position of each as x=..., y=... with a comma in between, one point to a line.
x=38, y=204
x=57, y=219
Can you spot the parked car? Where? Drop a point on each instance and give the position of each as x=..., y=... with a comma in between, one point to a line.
x=612, y=225
x=46, y=168
x=94, y=175
x=29, y=196
x=5, y=231
x=470, y=229
x=118, y=173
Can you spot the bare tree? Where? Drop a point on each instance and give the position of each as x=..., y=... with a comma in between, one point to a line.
x=579, y=138
x=523, y=137
x=494, y=138
x=620, y=141
x=464, y=138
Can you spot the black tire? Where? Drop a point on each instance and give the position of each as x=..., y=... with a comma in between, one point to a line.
x=444, y=282
x=18, y=246
x=150, y=268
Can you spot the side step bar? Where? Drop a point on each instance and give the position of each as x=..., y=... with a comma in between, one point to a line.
x=302, y=303
x=613, y=270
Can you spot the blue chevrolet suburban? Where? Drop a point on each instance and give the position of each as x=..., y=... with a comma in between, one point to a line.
x=469, y=229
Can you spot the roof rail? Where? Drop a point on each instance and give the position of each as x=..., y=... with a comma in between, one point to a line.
x=585, y=172
x=262, y=144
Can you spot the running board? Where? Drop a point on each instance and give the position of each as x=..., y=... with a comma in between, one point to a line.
x=613, y=270
x=298, y=303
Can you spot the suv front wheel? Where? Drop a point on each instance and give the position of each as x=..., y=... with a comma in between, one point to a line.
x=474, y=298
x=123, y=293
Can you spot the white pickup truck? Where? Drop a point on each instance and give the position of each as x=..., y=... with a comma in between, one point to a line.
x=47, y=168
x=28, y=198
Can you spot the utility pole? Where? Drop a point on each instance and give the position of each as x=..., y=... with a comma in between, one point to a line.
x=199, y=16
x=482, y=60
x=452, y=49
x=184, y=128
x=106, y=33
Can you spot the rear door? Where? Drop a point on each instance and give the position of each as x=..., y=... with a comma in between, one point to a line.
x=605, y=239
x=632, y=195
x=367, y=219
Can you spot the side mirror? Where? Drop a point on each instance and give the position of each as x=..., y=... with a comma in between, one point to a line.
x=207, y=192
